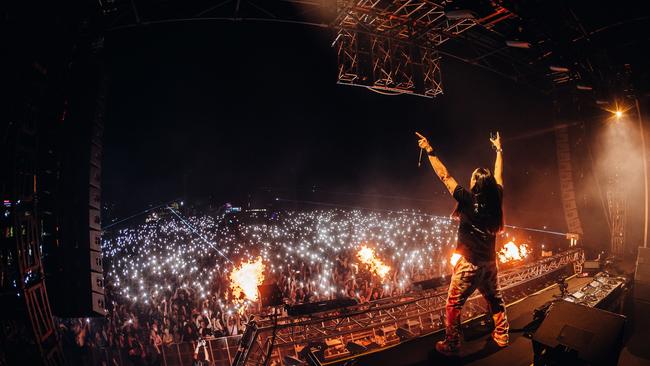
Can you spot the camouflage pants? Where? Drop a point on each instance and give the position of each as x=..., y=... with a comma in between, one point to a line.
x=466, y=278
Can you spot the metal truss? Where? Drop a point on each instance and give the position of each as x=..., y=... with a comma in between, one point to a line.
x=432, y=73
x=392, y=46
x=518, y=276
x=407, y=20
x=385, y=322
x=422, y=24
x=616, y=205
x=22, y=270
x=387, y=64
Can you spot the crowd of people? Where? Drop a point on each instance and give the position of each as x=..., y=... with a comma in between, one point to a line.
x=167, y=280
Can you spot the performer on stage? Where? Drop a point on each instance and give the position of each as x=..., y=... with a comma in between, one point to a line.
x=481, y=219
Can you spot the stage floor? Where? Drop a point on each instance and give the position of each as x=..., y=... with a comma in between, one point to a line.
x=481, y=351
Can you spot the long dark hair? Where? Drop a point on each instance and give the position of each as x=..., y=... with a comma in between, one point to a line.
x=487, y=200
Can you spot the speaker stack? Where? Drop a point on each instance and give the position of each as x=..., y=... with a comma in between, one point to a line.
x=73, y=265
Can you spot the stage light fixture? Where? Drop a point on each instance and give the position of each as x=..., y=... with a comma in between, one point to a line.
x=460, y=14
x=517, y=44
x=618, y=111
x=558, y=69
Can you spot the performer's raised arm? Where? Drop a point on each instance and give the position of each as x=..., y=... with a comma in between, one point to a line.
x=498, y=163
x=438, y=166
x=480, y=215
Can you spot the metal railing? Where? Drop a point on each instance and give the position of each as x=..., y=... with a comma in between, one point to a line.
x=386, y=322
x=221, y=352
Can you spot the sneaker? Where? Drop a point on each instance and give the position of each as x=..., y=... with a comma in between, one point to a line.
x=448, y=348
x=500, y=340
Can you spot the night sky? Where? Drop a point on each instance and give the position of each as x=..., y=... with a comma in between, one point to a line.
x=221, y=110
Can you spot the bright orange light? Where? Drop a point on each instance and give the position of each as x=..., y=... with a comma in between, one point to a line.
x=512, y=252
x=367, y=256
x=454, y=259
x=618, y=110
x=245, y=279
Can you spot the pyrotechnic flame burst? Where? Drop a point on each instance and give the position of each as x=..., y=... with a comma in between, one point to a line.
x=245, y=279
x=367, y=256
x=513, y=252
x=454, y=259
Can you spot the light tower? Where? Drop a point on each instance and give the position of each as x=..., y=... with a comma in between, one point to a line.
x=616, y=202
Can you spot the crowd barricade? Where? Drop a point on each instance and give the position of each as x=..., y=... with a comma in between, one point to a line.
x=221, y=350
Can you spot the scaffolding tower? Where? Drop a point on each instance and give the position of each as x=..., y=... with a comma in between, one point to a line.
x=27, y=314
x=617, y=204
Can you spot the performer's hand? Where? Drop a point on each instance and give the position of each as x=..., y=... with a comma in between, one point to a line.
x=496, y=142
x=423, y=143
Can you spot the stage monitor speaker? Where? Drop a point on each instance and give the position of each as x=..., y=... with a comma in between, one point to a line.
x=404, y=333
x=313, y=352
x=270, y=295
x=591, y=267
x=576, y=334
x=355, y=347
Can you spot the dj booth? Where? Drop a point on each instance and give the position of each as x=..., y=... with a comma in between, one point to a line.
x=584, y=327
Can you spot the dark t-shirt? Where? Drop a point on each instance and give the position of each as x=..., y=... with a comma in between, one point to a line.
x=475, y=240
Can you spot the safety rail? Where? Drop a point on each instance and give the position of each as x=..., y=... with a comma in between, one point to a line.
x=382, y=323
x=221, y=352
